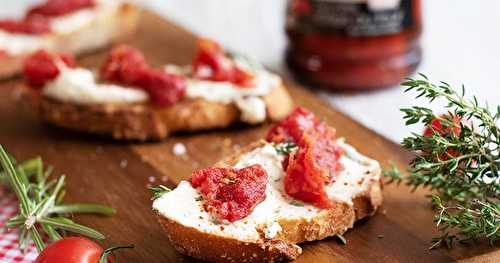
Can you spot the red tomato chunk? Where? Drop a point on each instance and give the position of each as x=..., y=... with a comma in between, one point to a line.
x=41, y=67
x=315, y=164
x=126, y=65
x=32, y=25
x=60, y=7
x=211, y=63
x=229, y=193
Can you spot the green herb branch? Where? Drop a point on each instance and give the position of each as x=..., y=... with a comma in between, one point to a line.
x=459, y=162
x=40, y=202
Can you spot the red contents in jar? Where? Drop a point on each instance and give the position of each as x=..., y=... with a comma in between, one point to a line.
x=41, y=67
x=231, y=193
x=353, y=45
x=212, y=63
x=32, y=25
x=315, y=164
x=60, y=7
x=126, y=65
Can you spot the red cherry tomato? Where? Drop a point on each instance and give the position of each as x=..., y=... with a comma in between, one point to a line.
x=436, y=126
x=72, y=250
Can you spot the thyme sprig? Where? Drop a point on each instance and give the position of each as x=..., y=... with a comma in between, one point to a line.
x=40, y=203
x=461, y=168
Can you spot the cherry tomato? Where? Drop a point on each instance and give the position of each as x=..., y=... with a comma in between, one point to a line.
x=436, y=126
x=72, y=250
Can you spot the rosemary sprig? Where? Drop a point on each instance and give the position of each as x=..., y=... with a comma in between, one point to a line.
x=40, y=202
x=461, y=168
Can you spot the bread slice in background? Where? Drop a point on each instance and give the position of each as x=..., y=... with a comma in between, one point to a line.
x=238, y=242
x=147, y=122
x=102, y=32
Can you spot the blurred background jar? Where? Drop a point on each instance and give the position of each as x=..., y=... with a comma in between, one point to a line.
x=353, y=44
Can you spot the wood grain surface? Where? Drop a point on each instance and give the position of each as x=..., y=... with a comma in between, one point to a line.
x=119, y=174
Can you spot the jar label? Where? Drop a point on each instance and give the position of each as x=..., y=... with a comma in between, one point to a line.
x=356, y=18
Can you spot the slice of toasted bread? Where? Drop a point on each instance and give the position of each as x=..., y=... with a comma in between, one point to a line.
x=101, y=32
x=239, y=243
x=147, y=122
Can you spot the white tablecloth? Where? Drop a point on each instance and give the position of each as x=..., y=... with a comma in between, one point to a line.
x=461, y=43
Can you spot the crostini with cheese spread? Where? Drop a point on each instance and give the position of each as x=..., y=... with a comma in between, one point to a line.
x=71, y=26
x=129, y=99
x=300, y=184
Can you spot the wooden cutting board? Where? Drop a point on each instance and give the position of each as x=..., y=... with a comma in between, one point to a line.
x=119, y=174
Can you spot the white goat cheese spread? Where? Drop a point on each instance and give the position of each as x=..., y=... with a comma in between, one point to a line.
x=81, y=18
x=79, y=86
x=18, y=44
x=180, y=204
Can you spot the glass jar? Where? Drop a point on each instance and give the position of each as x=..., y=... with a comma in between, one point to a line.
x=353, y=44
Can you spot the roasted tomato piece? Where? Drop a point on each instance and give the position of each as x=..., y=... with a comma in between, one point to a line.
x=127, y=65
x=41, y=67
x=60, y=7
x=326, y=152
x=316, y=162
x=124, y=65
x=231, y=194
x=211, y=63
x=31, y=25
x=164, y=89
x=314, y=165
x=293, y=126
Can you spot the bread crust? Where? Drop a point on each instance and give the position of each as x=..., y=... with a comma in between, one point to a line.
x=334, y=221
x=192, y=242
x=146, y=122
x=110, y=29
